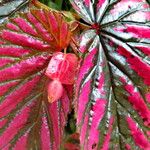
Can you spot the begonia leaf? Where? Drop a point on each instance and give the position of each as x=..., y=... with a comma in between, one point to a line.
x=113, y=85
x=27, y=119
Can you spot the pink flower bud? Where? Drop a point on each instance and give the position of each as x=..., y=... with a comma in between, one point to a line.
x=63, y=67
x=55, y=91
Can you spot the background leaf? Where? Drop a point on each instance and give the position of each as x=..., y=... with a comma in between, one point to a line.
x=27, y=120
x=58, y=4
x=9, y=7
x=113, y=86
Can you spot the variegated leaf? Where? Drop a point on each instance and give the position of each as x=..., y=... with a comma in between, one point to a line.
x=7, y=8
x=27, y=120
x=113, y=86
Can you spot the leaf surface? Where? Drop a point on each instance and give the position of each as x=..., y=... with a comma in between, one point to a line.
x=72, y=142
x=113, y=86
x=27, y=120
x=8, y=8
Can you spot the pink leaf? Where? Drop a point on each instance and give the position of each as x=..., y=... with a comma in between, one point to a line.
x=27, y=42
x=113, y=81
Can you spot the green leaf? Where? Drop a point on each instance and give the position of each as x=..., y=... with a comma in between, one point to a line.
x=8, y=8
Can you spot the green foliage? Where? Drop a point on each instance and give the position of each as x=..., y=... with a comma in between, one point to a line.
x=57, y=4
